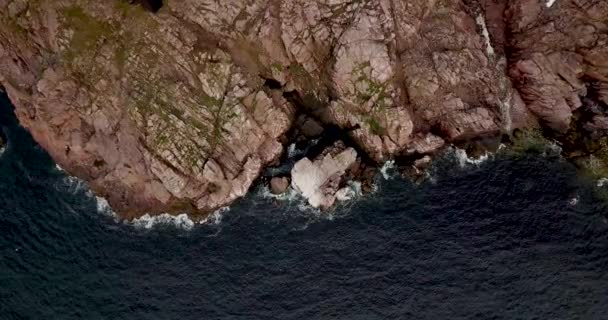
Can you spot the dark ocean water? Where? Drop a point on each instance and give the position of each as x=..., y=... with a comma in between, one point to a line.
x=502, y=240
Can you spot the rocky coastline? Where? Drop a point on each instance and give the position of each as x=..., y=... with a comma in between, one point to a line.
x=179, y=106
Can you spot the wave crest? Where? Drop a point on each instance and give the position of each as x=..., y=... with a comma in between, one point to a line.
x=147, y=221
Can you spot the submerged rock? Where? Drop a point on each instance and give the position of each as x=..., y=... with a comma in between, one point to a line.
x=319, y=180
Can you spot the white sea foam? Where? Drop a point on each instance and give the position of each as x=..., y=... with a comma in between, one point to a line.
x=216, y=217
x=553, y=149
x=602, y=182
x=303, y=206
x=386, y=167
x=147, y=221
x=350, y=192
x=75, y=185
x=181, y=221
x=289, y=195
x=574, y=201
x=59, y=168
x=464, y=159
x=103, y=207
x=355, y=186
x=291, y=150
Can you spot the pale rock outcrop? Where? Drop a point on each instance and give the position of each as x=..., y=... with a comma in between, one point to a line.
x=319, y=180
x=424, y=144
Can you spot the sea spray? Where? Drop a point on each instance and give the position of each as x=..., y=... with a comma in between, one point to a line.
x=216, y=217
x=350, y=192
x=289, y=195
x=464, y=159
x=147, y=221
x=73, y=185
x=103, y=207
x=553, y=149
x=388, y=169
x=292, y=151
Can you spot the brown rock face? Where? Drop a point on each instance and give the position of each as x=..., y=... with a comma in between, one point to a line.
x=152, y=113
x=559, y=54
x=179, y=110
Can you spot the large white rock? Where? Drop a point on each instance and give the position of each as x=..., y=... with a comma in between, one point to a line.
x=318, y=181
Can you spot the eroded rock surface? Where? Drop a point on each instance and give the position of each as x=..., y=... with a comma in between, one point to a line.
x=560, y=54
x=179, y=110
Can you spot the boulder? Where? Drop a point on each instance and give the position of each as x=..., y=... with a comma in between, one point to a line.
x=310, y=128
x=319, y=180
x=423, y=162
x=279, y=185
x=424, y=144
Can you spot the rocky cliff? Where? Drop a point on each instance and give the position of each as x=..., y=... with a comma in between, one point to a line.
x=177, y=105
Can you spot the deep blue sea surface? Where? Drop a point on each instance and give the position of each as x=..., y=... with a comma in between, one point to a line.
x=512, y=238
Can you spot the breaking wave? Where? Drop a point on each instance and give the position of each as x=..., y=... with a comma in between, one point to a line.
x=73, y=185
x=290, y=195
x=388, y=169
x=181, y=221
x=147, y=221
x=464, y=159
x=103, y=207
x=216, y=217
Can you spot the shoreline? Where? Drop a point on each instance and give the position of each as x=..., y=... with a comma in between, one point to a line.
x=261, y=187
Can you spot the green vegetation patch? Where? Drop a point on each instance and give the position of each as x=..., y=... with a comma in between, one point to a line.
x=596, y=163
x=375, y=126
x=367, y=89
x=88, y=31
x=529, y=141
